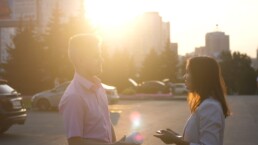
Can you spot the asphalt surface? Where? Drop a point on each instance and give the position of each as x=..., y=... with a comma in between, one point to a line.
x=144, y=116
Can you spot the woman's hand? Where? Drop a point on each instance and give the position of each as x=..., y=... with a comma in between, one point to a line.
x=168, y=136
x=122, y=142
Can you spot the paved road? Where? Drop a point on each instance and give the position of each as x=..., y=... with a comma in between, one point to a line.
x=46, y=128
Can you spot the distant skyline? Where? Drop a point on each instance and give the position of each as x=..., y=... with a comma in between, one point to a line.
x=189, y=20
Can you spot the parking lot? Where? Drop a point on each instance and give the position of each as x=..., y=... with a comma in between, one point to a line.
x=46, y=128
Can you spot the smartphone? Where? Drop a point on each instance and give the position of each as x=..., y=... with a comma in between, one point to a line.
x=159, y=131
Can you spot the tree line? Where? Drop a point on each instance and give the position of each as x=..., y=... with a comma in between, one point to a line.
x=36, y=60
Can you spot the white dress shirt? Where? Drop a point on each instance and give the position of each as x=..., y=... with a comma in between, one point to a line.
x=84, y=108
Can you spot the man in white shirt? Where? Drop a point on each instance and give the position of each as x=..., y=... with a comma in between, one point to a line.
x=84, y=105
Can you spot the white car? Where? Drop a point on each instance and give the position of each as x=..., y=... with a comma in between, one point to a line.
x=179, y=89
x=50, y=98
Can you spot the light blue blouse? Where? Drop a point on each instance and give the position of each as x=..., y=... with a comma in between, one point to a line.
x=206, y=125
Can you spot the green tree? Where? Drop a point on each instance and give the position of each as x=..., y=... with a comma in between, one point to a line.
x=169, y=62
x=117, y=68
x=24, y=67
x=151, y=67
x=227, y=70
x=56, y=42
x=239, y=76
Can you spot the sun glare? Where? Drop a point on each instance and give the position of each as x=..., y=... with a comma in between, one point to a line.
x=188, y=19
x=111, y=13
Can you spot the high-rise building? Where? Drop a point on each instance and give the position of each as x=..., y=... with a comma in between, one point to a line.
x=216, y=42
x=257, y=53
x=5, y=41
x=254, y=62
x=147, y=32
x=37, y=11
x=67, y=9
x=11, y=12
x=151, y=32
x=174, y=47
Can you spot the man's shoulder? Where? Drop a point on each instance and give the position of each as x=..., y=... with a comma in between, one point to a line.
x=69, y=95
x=70, y=90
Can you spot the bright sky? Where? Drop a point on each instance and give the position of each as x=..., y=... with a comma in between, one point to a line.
x=190, y=20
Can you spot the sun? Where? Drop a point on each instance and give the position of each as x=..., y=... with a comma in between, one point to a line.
x=107, y=14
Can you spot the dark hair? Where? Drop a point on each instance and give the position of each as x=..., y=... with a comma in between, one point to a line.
x=207, y=81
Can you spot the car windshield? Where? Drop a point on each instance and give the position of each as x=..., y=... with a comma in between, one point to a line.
x=4, y=88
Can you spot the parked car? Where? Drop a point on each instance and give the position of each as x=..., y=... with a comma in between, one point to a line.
x=50, y=98
x=12, y=110
x=150, y=87
x=179, y=89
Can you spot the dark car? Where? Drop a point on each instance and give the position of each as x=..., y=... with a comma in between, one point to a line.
x=12, y=110
x=151, y=87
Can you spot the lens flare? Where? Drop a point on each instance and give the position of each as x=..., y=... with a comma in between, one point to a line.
x=139, y=138
x=135, y=138
x=135, y=118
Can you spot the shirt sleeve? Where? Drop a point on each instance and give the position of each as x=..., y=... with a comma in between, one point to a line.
x=73, y=115
x=210, y=124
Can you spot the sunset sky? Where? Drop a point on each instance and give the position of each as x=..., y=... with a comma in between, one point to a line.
x=190, y=20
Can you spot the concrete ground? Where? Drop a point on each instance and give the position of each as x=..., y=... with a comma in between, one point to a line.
x=145, y=116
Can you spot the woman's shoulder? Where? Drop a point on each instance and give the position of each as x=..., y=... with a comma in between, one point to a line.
x=210, y=105
x=210, y=101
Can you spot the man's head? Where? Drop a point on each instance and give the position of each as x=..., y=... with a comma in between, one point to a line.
x=85, y=54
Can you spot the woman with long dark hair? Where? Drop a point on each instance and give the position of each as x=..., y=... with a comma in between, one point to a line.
x=207, y=104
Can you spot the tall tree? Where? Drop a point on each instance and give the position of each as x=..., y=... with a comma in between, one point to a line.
x=239, y=76
x=168, y=63
x=56, y=41
x=117, y=68
x=151, y=67
x=24, y=68
x=228, y=70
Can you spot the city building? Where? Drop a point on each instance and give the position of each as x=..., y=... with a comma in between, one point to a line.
x=254, y=62
x=147, y=32
x=215, y=43
x=11, y=12
x=201, y=50
x=6, y=34
x=174, y=47
x=38, y=12
x=67, y=9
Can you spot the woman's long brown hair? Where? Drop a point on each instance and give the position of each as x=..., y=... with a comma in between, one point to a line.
x=207, y=81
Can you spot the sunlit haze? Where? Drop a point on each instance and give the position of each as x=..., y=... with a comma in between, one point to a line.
x=189, y=20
